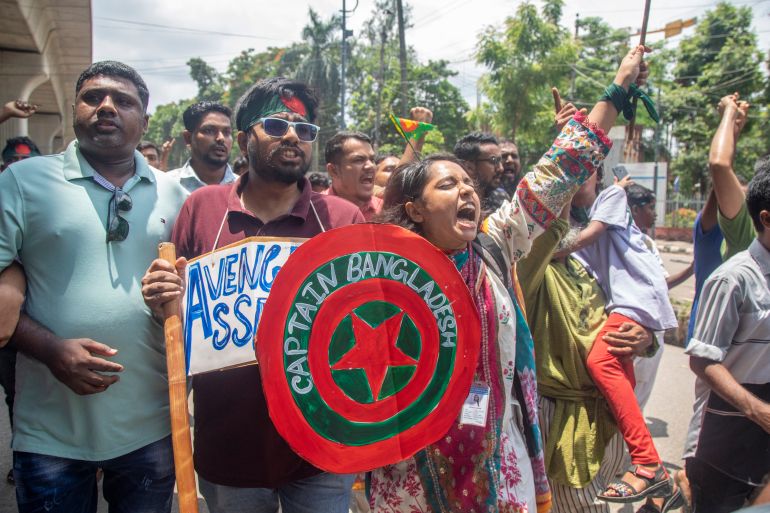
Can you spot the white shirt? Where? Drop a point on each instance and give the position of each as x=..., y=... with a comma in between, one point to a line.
x=189, y=179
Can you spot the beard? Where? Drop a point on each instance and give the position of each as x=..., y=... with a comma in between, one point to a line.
x=569, y=241
x=270, y=170
x=211, y=159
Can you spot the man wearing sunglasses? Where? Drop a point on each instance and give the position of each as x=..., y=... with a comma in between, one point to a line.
x=209, y=135
x=243, y=464
x=92, y=387
x=483, y=159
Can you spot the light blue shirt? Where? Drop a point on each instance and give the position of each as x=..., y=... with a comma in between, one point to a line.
x=189, y=179
x=627, y=270
x=53, y=217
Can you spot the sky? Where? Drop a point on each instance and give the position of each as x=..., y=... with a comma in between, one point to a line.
x=157, y=38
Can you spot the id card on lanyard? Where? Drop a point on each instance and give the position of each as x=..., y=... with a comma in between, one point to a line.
x=474, y=411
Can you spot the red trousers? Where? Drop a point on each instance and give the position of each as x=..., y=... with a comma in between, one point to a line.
x=614, y=377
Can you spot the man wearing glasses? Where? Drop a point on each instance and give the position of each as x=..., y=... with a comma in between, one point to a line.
x=483, y=159
x=243, y=463
x=92, y=389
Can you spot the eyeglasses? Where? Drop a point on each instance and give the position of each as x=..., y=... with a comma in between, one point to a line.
x=117, y=226
x=494, y=160
x=277, y=127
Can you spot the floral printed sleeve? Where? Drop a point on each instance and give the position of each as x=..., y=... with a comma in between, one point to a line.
x=541, y=195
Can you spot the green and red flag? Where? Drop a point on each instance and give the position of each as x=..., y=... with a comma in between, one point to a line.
x=409, y=128
x=367, y=347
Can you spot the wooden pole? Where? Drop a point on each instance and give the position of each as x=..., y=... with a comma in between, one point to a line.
x=642, y=40
x=177, y=395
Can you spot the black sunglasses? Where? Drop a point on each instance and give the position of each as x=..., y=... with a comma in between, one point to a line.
x=117, y=226
x=277, y=127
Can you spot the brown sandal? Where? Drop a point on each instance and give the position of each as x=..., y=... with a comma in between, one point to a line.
x=657, y=481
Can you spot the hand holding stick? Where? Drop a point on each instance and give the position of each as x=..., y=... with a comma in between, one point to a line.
x=177, y=394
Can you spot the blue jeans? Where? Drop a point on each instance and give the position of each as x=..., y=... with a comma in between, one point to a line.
x=324, y=493
x=141, y=481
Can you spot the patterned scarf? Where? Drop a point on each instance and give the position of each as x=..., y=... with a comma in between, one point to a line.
x=525, y=369
x=461, y=471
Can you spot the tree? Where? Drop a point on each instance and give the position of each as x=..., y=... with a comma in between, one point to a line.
x=720, y=58
x=375, y=85
x=249, y=67
x=210, y=82
x=525, y=57
x=320, y=69
x=166, y=123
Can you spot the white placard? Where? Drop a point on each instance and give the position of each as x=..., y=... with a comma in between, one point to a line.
x=224, y=297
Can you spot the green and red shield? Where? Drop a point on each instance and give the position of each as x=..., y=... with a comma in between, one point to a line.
x=367, y=347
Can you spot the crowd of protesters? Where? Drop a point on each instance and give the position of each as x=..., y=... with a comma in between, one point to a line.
x=571, y=293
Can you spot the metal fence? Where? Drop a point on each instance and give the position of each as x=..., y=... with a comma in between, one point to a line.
x=681, y=211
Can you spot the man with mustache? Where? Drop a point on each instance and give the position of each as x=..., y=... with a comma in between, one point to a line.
x=209, y=135
x=243, y=463
x=350, y=164
x=92, y=387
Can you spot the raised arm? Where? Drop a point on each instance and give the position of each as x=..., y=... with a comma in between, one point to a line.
x=728, y=190
x=573, y=158
x=417, y=114
x=17, y=109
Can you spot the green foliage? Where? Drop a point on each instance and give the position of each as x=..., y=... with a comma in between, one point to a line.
x=210, y=83
x=319, y=68
x=601, y=48
x=374, y=85
x=166, y=123
x=526, y=57
x=720, y=58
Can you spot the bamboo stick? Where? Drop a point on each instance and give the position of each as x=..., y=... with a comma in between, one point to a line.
x=177, y=395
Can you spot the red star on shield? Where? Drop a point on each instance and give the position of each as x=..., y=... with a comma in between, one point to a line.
x=375, y=351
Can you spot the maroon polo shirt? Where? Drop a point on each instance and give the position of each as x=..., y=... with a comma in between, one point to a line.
x=369, y=210
x=235, y=441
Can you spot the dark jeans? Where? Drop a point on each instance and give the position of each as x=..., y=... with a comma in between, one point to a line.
x=714, y=491
x=138, y=482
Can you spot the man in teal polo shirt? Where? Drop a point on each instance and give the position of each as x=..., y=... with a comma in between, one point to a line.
x=91, y=382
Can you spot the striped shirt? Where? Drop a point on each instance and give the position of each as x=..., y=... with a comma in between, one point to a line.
x=733, y=328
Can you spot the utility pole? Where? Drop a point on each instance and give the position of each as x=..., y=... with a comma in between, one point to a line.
x=345, y=34
x=402, y=55
x=572, y=75
x=657, y=157
x=380, y=81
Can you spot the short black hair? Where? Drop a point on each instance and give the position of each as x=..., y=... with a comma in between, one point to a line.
x=333, y=150
x=115, y=69
x=468, y=147
x=148, y=144
x=758, y=198
x=193, y=114
x=762, y=165
x=321, y=179
x=264, y=89
x=638, y=195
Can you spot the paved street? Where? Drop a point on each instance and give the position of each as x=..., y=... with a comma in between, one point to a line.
x=668, y=411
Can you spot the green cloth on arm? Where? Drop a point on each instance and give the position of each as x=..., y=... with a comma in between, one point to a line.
x=563, y=299
x=738, y=232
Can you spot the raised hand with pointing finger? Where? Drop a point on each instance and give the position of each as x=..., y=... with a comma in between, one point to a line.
x=563, y=113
